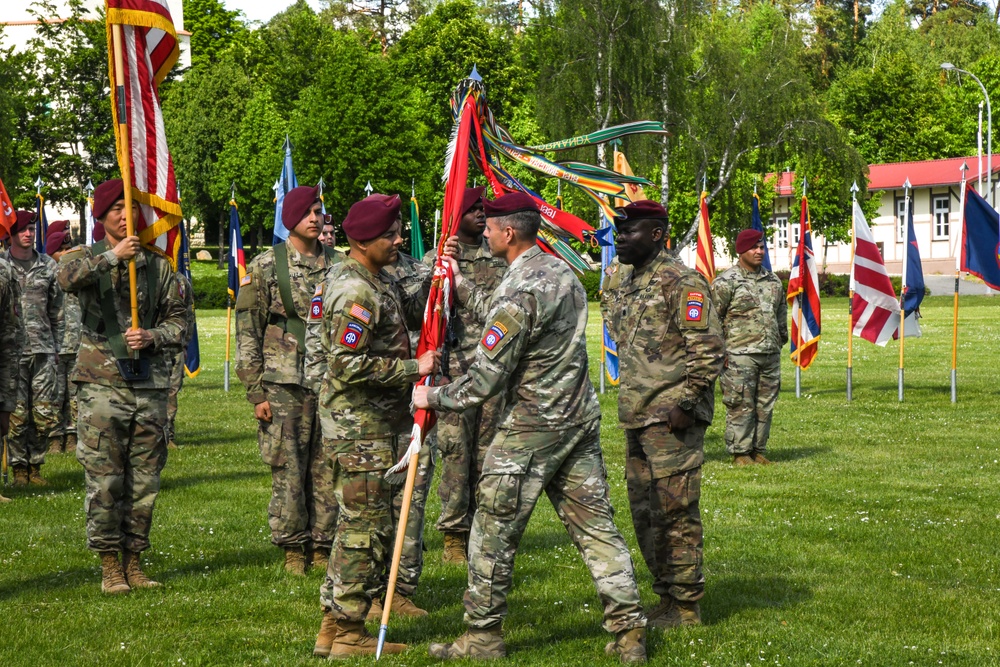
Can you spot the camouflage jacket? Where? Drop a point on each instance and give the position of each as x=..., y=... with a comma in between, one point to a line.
x=753, y=310
x=670, y=344
x=41, y=304
x=484, y=272
x=266, y=351
x=186, y=291
x=74, y=320
x=10, y=335
x=359, y=345
x=409, y=275
x=533, y=347
x=80, y=271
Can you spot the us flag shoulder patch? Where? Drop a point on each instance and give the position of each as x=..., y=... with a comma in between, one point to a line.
x=352, y=335
x=247, y=279
x=695, y=307
x=359, y=312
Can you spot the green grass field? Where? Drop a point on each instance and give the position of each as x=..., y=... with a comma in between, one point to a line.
x=873, y=541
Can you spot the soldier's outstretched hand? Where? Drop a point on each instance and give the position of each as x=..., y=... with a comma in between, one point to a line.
x=420, y=397
x=127, y=248
x=429, y=362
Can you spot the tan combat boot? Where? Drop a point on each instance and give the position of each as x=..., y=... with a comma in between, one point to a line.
x=70, y=442
x=295, y=561
x=742, y=460
x=375, y=611
x=454, y=549
x=759, y=458
x=629, y=646
x=403, y=606
x=55, y=444
x=133, y=572
x=35, y=476
x=4, y=499
x=320, y=558
x=680, y=613
x=112, y=577
x=20, y=476
x=353, y=639
x=327, y=631
x=475, y=643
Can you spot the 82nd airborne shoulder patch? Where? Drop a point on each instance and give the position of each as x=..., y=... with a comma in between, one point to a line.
x=695, y=307
x=494, y=335
x=352, y=335
x=316, y=304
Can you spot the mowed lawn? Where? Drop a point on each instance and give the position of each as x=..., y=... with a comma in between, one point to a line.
x=873, y=541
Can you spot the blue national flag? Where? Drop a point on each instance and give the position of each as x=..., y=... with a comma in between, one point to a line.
x=755, y=223
x=42, y=228
x=608, y=253
x=237, y=259
x=981, y=239
x=192, y=361
x=913, y=288
x=286, y=182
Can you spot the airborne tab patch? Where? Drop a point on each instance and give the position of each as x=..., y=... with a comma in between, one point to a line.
x=316, y=307
x=359, y=312
x=352, y=335
x=695, y=306
x=494, y=335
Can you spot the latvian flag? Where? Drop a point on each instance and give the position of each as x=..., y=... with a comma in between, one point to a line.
x=803, y=296
x=149, y=50
x=874, y=308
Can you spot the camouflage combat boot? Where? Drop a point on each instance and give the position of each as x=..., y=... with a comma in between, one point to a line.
x=403, y=606
x=35, y=476
x=629, y=646
x=475, y=643
x=320, y=558
x=295, y=561
x=327, y=631
x=112, y=577
x=742, y=460
x=454, y=549
x=759, y=458
x=20, y=476
x=70, y=442
x=353, y=639
x=133, y=572
x=55, y=444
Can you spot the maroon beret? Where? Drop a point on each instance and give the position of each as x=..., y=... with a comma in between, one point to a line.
x=54, y=241
x=471, y=197
x=645, y=209
x=24, y=220
x=105, y=196
x=509, y=204
x=747, y=239
x=297, y=203
x=99, y=232
x=371, y=217
x=58, y=226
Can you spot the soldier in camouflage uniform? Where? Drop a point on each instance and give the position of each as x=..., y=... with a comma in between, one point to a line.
x=462, y=437
x=751, y=303
x=670, y=348
x=63, y=437
x=534, y=349
x=179, y=359
x=123, y=376
x=364, y=407
x=274, y=299
x=11, y=336
x=37, y=412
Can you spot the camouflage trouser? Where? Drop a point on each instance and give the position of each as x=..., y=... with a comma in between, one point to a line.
x=663, y=470
x=750, y=384
x=566, y=465
x=303, y=509
x=37, y=411
x=66, y=401
x=462, y=441
x=363, y=543
x=176, y=382
x=122, y=447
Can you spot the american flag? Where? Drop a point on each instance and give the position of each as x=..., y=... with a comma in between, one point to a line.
x=149, y=50
x=803, y=296
x=874, y=308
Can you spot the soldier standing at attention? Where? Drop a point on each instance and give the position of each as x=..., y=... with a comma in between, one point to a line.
x=275, y=296
x=328, y=236
x=364, y=407
x=462, y=437
x=670, y=348
x=37, y=411
x=122, y=375
x=10, y=345
x=751, y=303
x=179, y=358
x=63, y=438
x=534, y=349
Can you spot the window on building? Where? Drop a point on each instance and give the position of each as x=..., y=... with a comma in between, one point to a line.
x=796, y=235
x=941, y=206
x=901, y=218
x=782, y=226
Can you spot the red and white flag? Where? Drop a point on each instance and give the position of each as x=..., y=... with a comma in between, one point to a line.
x=149, y=51
x=875, y=308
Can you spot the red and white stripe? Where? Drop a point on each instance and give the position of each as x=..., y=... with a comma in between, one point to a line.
x=875, y=308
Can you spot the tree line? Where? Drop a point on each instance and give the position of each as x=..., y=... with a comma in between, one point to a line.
x=746, y=89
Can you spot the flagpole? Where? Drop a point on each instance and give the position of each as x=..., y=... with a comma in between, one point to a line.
x=958, y=277
x=229, y=298
x=124, y=162
x=902, y=291
x=437, y=216
x=850, y=299
x=798, y=348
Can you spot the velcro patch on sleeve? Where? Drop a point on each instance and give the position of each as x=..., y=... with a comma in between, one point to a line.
x=695, y=306
x=351, y=336
x=247, y=279
x=503, y=328
x=360, y=313
x=494, y=335
x=316, y=304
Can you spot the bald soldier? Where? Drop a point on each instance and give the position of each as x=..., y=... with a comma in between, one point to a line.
x=364, y=407
x=122, y=373
x=37, y=411
x=534, y=349
x=63, y=438
x=670, y=348
x=751, y=303
x=274, y=300
x=10, y=345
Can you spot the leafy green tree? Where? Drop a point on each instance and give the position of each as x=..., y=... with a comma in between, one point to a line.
x=20, y=106
x=213, y=28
